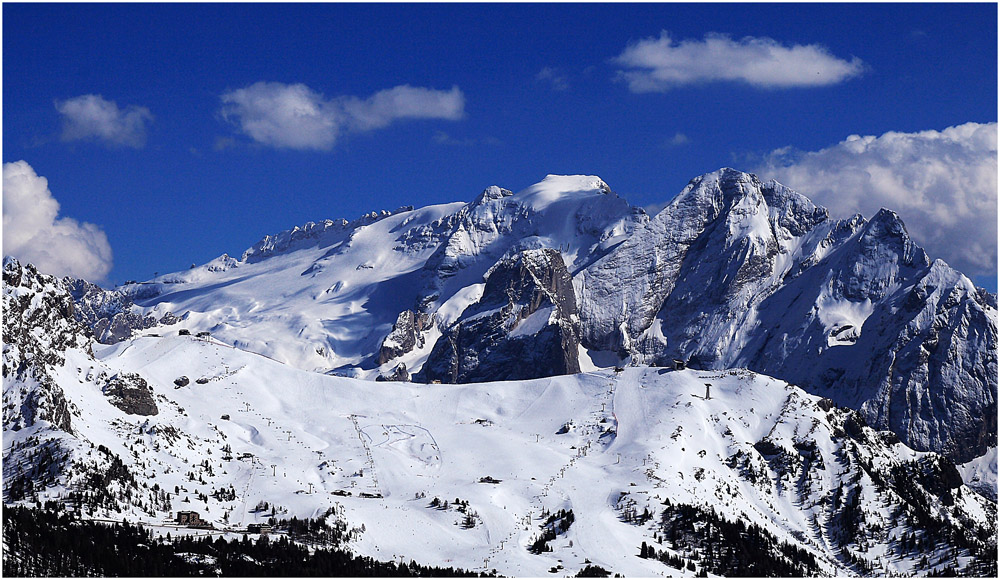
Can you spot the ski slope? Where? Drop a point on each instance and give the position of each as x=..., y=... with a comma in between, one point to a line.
x=599, y=443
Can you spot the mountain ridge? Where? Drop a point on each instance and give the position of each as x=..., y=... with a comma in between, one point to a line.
x=732, y=272
x=550, y=474
x=834, y=417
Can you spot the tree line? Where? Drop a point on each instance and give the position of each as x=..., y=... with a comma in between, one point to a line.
x=43, y=542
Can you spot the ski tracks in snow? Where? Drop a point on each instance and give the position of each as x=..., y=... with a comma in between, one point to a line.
x=592, y=431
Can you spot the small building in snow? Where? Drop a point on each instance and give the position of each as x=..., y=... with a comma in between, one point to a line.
x=190, y=519
x=262, y=529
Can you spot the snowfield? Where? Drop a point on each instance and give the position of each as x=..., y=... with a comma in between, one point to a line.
x=600, y=443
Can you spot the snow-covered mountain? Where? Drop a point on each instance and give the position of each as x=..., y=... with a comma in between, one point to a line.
x=642, y=471
x=732, y=273
x=739, y=273
x=836, y=375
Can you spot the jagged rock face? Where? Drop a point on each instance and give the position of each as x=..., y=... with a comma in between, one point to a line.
x=937, y=371
x=111, y=315
x=38, y=314
x=45, y=402
x=713, y=250
x=739, y=273
x=130, y=393
x=407, y=334
x=525, y=326
x=38, y=328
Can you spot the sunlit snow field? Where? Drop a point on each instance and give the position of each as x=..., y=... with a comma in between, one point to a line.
x=599, y=443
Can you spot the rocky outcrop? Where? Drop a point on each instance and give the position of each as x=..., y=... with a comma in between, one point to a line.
x=524, y=326
x=110, y=314
x=406, y=335
x=130, y=393
x=38, y=328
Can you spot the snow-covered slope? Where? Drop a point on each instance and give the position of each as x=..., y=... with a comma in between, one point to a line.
x=981, y=474
x=525, y=477
x=324, y=296
x=732, y=273
x=607, y=446
x=318, y=299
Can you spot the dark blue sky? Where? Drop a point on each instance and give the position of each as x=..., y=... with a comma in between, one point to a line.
x=542, y=93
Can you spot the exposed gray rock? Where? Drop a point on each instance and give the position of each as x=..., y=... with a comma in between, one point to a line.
x=740, y=273
x=169, y=319
x=110, y=314
x=38, y=328
x=130, y=393
x=406, y=335
x=524, y=326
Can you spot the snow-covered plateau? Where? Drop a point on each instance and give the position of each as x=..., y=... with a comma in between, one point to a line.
x=835, y=413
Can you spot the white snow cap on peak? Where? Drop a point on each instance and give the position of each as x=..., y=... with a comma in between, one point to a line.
x=556, y=187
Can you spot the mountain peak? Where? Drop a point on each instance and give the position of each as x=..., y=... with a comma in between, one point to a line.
x=729, y=179
x=887, y=229
x=559, y=187
x=718, y=188
x=712, y=193
x=492, y=192
x=889, y=221
x=571, y=183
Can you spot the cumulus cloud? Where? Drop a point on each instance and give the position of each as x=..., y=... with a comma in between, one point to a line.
x=943, y=184
x=297, y=117
x=660, y=64
x=93, y=117
x=33, y=232
x=281, y=115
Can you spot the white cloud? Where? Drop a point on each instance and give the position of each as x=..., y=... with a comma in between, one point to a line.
x=943, y=184
x=679, y=139
x=403, y=102
x=660, y=64
x=558, y=80
x=93, y=117
x=297, y=117
x=281, y=115
x=33, y=232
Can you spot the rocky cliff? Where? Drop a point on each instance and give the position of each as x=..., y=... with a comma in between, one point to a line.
x=525, y=326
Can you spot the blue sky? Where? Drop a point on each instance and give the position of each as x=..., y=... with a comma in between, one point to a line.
x=162, y=125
